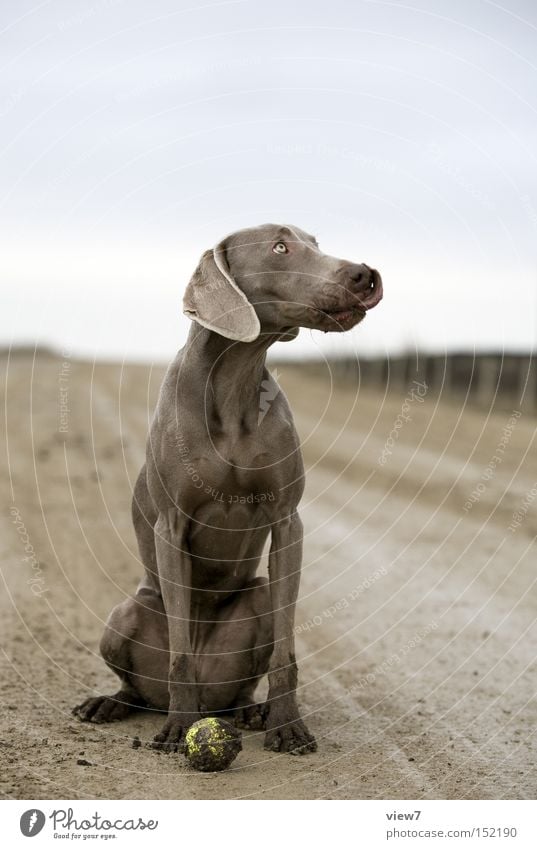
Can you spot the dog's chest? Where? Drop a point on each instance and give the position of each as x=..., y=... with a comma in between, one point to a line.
x=233, y=485
x=229, y=537
x=241, y=469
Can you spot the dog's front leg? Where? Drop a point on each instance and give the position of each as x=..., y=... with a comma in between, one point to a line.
x=175, y=573
x=286, y=732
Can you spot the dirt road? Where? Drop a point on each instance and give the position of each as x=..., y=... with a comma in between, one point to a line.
x=416, y=628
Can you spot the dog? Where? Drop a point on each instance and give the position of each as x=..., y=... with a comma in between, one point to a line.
x=221, y=477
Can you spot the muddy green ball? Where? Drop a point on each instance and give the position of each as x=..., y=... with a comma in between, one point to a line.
x=212, y=744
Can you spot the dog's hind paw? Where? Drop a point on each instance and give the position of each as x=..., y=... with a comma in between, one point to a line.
x=105, y=708
x=253, y=717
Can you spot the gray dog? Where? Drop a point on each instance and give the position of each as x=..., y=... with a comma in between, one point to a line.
x=223, y=473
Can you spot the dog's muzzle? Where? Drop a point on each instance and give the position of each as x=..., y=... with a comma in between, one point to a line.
x=365, y=284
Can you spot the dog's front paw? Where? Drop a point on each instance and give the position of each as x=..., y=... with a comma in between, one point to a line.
x=172, y=736
x=291, y=736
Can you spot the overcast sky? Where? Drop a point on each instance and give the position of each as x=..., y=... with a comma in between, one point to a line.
x=134, y=135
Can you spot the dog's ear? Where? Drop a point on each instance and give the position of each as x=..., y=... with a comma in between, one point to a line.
x=213, y=299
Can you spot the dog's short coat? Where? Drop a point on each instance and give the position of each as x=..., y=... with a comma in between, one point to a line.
x=223, y=472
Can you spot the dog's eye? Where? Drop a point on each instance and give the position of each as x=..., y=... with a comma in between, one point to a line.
x=279, y=248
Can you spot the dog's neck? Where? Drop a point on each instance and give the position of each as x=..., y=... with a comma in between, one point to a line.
x=230, y=375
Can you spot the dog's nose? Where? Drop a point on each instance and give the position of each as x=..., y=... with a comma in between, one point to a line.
x=365, y=283
x=360, y=277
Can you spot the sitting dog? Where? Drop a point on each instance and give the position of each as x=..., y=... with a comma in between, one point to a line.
x=221, y=475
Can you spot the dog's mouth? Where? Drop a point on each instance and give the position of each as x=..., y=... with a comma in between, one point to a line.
x=341, y=319
x=344, y=316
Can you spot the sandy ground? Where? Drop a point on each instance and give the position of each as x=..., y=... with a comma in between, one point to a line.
x=417, y=636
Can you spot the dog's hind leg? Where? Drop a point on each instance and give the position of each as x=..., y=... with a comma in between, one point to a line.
x=123, y=641
x=248, y=712
x=135, y=647
x=115, y=648
x=236, y=655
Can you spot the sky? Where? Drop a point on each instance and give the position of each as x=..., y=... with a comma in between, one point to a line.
x=134, y=136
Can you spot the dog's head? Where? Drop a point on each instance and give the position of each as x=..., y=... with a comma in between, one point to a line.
x=273, y=279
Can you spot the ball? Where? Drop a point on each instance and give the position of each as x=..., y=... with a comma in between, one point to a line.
x=212, y=744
